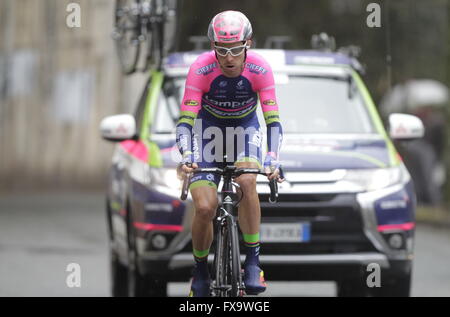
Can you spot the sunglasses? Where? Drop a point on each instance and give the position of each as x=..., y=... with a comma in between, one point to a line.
x=234, y=51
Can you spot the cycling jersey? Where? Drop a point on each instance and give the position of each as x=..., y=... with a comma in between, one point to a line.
x=235, y=144
x=222, y=101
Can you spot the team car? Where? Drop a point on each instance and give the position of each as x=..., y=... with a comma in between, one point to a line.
x=345, y=212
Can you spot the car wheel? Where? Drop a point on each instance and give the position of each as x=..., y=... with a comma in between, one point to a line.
x=351, y=288
x=118, y=271
x=136, y=284
x=399, y=286
x=119, y=276
x=395, y=282
x=140, y=285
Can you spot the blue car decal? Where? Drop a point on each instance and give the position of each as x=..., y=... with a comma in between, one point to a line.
x=396, y=210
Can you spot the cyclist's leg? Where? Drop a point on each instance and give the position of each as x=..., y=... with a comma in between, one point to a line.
x=204, y=195
x=203, y=189
x=248, y=154
x=249, y=209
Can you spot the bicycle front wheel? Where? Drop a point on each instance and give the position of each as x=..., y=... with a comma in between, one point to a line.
x=234, y=259
x=126, y=34
x=154, y=47
x=221, y=262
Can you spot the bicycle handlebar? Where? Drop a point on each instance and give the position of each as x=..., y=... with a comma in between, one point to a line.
x=234, y=172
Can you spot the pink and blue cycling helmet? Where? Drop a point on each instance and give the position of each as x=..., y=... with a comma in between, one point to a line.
x=230, y=27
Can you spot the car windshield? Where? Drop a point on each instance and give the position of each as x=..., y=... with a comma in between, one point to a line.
x=322, y=105
x=307, y=105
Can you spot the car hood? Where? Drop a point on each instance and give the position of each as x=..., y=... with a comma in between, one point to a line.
x=328, y=152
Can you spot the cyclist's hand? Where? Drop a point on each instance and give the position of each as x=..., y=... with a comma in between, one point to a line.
x=272, y=167
x=188, y=168
x=186, y=165
x=275, y=175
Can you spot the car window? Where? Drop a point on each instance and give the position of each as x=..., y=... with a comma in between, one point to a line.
x=168, y=110
x=322, y=105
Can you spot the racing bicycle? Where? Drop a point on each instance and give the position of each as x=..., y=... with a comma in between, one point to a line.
x=227, y=273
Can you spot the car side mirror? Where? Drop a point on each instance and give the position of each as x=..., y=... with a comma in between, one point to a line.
x=403, y=127
x=118, y=128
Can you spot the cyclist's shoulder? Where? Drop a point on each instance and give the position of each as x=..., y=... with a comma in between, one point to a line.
x=257, y=65
x=258, y=71
x=203, y=69
x=256, y=59
x=205, y=59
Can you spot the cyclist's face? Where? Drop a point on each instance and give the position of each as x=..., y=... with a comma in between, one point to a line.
x=230, y=65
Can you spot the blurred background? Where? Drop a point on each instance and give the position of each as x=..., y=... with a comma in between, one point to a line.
x=57, y=83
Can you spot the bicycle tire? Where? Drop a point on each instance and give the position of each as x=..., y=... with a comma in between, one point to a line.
x=235, y=259
x=154, y=55
x=221, y=260
x=128, y=65
x=171, y=25
x=163, y=33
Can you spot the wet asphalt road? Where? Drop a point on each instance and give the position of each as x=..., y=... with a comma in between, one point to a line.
x=41, y=234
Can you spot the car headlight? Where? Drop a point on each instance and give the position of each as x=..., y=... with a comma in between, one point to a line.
x=166, y=177
x=374, y=179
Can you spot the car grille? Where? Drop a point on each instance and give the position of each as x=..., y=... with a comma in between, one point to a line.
x=335, y=219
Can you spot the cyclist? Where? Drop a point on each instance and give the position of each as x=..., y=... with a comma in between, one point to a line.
x=222, y=90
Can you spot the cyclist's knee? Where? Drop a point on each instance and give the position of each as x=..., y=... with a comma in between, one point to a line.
x=247, y=182
x=205, y=210
x=205, y=202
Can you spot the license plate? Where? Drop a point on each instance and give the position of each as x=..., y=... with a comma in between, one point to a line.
x=285, y=232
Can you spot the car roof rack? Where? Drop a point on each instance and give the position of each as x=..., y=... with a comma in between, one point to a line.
x=326, y=43
x=323, y=42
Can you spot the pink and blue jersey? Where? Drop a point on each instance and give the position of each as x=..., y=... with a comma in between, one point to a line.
x=222, y=101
